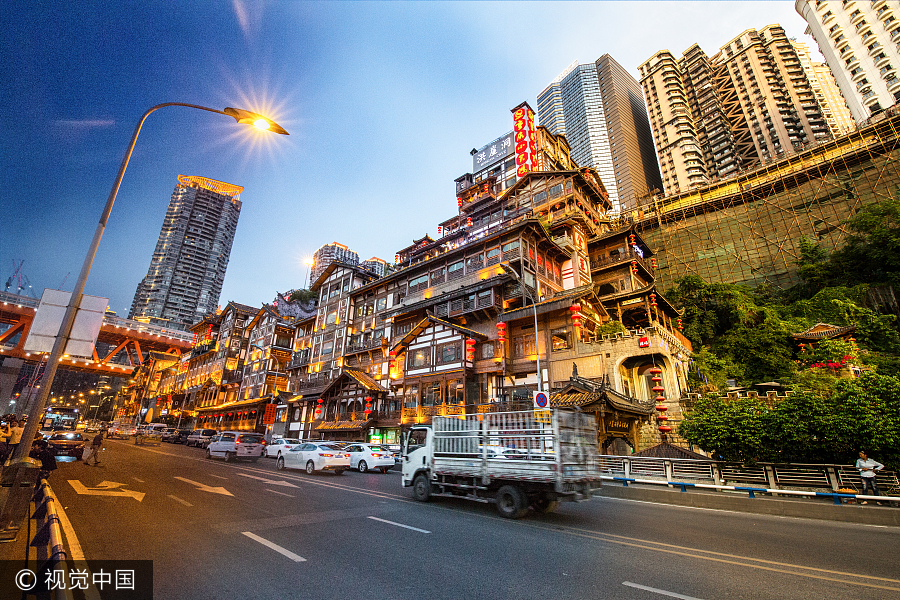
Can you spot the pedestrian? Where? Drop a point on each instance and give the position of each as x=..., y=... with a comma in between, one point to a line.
x=40, y=450
x=867, y=467
x=4, y=441
x=15, y=436
x=95, y=448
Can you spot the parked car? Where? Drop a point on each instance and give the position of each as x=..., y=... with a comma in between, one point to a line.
x=67, y=443
x=276, y=447
x=168, y=434
x=364, y=457
x=180, y=436
x=120, y=430
x=236, y=444
x=315, y=456
x=200, y=437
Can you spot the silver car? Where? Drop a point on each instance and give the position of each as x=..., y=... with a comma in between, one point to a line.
x=315, y=456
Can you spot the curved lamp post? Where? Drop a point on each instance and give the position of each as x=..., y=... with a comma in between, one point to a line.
x=537, y=345
x=65, y=328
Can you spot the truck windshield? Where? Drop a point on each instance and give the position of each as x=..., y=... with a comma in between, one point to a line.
x=415, y=439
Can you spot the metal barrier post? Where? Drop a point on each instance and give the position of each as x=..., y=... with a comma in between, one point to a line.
x=17, y=486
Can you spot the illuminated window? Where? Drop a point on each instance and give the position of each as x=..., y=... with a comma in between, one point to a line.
x=559, y=339
x=420, y=358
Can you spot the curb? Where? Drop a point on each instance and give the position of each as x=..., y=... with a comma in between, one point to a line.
x=808, y=509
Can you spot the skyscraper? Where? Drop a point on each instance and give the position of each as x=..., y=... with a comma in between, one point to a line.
x=859, y=41
x=834, y=109
x=600, y=109
x=330, y=253
x=188, y=265
x=751, y=102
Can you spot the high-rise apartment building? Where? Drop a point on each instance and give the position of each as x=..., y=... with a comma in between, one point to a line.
x=834, y=109
x=861, y=43
x=711, y=117
x=330, y=253
x=188, y=265
x=599, y=108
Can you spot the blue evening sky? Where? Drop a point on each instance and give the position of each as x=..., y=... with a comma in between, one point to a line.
x=383, y=101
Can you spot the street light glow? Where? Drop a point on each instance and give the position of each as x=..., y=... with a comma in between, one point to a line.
x=261, y=124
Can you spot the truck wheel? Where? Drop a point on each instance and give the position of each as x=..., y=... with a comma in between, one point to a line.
x=511, y=502
x=421, y=488
x=545, y=503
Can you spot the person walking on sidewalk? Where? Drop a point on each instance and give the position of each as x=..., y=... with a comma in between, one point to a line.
x=867, y=467
x=15, y=436
x=95, y=448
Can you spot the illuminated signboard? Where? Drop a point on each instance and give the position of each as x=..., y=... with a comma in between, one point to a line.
x=493, y=153
x=643, y=342
x=525, y=139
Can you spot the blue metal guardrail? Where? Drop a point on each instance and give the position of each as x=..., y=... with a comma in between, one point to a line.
x=821, y=480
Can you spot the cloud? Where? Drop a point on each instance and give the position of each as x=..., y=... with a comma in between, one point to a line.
x=85, y=122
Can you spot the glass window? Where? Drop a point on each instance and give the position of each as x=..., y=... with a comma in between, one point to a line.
x=411, y=396
x=381, y=304
x=510, y=246
x=331, y=319
x=455, y=391
x=559, y=339
x=450, y=353
x=487, y=350
x=455, y=269
x=419, y=358
x=431, y=394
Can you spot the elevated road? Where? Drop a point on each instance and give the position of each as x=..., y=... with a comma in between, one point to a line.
x=121, y=345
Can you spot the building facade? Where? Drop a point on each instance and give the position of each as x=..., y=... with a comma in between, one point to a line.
x=599, y=107
x=834, y=108
x=330, y=253
x=861, y=44
x=713, y=117
x=188, y=265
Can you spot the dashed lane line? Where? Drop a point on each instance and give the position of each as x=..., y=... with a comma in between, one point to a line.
x=177, y=499
x=657, y=591
x=399, y=525
x=280, y=493
x=274, y=546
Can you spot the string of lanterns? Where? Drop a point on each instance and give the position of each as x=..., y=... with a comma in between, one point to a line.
x=660, y=407
x=575, y=309
x=470, y=350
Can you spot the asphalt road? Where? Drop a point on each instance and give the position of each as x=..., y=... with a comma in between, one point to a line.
x=241, y=530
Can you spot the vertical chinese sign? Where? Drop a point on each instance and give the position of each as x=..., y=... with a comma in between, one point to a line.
x=525, y=138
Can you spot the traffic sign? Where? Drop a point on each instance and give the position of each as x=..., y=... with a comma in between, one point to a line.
x=541, y=400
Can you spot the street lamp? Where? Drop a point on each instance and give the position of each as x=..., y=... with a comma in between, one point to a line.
x=537, y=346
x=65, y=328
x=309, y=263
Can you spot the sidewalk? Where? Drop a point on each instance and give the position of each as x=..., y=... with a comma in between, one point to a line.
x=784, y=506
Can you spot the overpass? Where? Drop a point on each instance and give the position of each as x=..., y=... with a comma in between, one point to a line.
x=121, y=345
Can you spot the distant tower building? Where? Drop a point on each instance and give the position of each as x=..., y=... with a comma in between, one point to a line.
x=859, y=41
x=834, y=109
x=188, y=266
x=749, y=103
x=377, y=266
x=599, y=108
x=330, y=253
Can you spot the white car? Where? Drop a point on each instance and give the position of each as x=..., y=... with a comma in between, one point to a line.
x=315, y=456
x=277, y=447
x=364, y=457
x=236, y=444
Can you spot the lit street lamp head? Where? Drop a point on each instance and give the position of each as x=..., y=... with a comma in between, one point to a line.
x=254, y=119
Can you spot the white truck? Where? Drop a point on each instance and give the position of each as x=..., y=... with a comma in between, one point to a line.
x=515, y=459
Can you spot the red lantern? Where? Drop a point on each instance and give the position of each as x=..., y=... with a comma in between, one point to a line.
x=653, y=261
x=459, y=202
x=440, y=229
x=634, y=267
x=653, y=300
x=665, y=428
x=575, y=309
x=468, y=221
x=319, y=408
x=680, y=326
x=396, y=258
x=470, y=350
x=368, y=410
x=501, y=331
x=632, y=239
x=392, y=359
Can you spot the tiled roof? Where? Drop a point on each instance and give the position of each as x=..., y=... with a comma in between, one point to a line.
x=823, y=331
x=365, y=380
x=667, y=450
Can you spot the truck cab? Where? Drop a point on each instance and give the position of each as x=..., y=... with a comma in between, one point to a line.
x=416, y=454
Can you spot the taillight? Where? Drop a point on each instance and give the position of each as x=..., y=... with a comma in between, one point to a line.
x=377, y=455
x=328, y=455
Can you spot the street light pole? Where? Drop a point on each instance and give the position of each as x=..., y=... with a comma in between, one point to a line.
x=65, y=328
x=537, y=345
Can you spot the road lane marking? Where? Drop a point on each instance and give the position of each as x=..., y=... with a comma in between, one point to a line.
x=269, y=481
x=656, y=591
x=216, y=476
x=281, y=493
x=206, y=488
x=138, y=480
x=107, y=488
x=177, y=499
x=400, y=525
x=274, y=547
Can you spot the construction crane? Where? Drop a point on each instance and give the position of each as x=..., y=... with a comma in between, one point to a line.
x=20, y=280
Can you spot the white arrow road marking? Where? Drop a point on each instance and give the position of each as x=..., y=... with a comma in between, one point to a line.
x=274, y=547
x=399, y=525
x=107, y=488
x=656, y=591
x=206, y=488
x=269, y=481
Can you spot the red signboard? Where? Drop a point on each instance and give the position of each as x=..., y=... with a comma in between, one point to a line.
x=644, y=342
x=269, y=415
x=525, y=138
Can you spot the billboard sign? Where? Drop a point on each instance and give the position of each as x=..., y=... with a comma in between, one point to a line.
x=495, y=152
x=525, y=139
